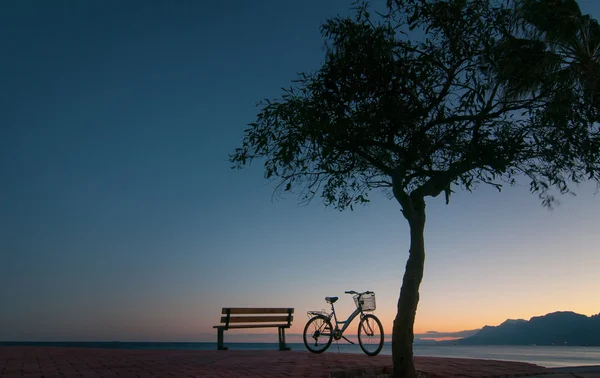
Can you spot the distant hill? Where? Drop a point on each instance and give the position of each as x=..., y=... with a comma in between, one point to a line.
x=557, y=328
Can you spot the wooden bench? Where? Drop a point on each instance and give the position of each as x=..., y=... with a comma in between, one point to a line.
x=255, y=318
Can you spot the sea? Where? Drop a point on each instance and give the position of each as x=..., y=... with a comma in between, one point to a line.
x=547, y=356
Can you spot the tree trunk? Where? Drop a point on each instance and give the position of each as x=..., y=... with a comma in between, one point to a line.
x=402, y=334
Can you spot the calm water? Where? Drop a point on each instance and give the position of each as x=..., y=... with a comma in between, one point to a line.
x=548, y=356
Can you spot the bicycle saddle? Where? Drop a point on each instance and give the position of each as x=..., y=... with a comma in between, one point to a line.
x=331, y=299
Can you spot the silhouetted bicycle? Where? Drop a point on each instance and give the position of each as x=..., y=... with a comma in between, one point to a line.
x=319, y=332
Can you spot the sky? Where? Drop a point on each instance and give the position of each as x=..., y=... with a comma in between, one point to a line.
x=120, y=218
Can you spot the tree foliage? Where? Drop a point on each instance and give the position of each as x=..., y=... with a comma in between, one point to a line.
x=437, y=94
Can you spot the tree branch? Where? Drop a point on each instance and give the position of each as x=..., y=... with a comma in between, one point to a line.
x=441, y=181
x=376, y=163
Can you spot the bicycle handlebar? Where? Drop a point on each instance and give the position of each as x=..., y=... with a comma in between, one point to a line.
x=354, y=292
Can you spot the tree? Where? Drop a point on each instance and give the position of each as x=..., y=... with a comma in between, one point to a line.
x=429, y=97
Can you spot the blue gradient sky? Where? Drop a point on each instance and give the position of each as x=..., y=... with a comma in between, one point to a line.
x=121, y=220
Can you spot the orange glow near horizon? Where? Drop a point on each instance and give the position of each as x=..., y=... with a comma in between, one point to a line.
x=439, y=338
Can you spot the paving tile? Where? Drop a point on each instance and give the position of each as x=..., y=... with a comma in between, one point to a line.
x=25, y=362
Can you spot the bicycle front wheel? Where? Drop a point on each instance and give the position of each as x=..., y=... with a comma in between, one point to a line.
x=317, y=334
x=370, y=335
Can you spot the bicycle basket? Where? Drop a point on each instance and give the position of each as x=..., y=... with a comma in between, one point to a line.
x=366, y=300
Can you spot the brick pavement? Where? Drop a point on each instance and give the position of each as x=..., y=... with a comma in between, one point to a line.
x=50, y=362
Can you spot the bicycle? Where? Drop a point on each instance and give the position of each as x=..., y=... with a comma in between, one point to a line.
x=369, y=328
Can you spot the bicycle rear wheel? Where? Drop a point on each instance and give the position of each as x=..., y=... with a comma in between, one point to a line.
x=318, y=334
x=370, y=335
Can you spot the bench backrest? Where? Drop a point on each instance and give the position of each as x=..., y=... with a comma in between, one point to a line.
x=257, y=315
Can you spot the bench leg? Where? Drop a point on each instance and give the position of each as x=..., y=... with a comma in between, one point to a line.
x=282, y=345
x=220, y=339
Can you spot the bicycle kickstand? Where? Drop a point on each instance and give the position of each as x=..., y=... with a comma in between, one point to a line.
x=344, y=337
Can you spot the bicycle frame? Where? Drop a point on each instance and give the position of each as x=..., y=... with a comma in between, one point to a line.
x=346, y=322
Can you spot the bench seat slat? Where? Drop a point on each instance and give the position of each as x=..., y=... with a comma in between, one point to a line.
x=255, y=319
x=243, y=310
x=253, y=326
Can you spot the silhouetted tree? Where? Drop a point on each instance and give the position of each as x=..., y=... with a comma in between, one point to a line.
x=431, y=96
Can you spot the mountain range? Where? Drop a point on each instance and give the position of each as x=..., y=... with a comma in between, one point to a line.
x=557, y=328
